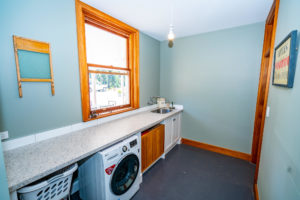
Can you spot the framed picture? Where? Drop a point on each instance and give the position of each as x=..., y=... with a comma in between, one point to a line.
x=285, y=61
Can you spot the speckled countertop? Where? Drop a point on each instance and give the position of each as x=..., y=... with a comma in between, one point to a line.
x=29, y=163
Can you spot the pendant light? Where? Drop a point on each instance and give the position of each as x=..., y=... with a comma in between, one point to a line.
x=171, y=35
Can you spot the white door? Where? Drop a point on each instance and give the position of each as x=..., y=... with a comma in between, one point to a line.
x=168, y=133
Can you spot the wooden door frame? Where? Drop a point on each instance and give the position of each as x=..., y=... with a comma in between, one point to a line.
x=264, y=82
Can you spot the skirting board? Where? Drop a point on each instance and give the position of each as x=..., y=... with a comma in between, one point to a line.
x=221, y=150
x=256, y=195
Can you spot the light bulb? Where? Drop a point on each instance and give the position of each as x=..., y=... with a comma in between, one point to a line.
x=171, y=35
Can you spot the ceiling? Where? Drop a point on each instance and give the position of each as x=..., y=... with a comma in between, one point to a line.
x=190, y=17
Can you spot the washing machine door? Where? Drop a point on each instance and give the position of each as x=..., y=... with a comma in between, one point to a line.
x=125, y=174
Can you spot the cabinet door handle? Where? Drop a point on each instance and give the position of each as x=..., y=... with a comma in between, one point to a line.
x=174, y=120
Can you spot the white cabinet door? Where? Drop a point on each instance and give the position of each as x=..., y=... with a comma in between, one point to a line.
x=175, y=129
x=168, y=133
x=172, y=131
x=179, y=124
x=176, y=126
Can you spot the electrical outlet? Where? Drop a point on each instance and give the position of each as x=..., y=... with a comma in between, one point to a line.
x=268, y=111
x=4, y=135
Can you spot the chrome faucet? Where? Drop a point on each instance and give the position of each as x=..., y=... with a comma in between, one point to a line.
x=172, y=107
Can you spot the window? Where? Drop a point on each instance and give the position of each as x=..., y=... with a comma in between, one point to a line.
x=108, y=58
x=108, y=69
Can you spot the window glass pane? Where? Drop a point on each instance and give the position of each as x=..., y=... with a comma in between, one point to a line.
x=108, y=90
x=105, y=48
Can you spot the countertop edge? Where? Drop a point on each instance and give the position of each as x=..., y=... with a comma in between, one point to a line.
x=17, y=186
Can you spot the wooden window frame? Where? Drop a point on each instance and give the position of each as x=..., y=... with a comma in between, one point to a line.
x=90, y=15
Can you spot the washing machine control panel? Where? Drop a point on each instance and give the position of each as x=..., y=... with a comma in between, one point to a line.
x=124, y=148
x=133, y=143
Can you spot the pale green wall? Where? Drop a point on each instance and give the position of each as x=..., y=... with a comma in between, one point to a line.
x=149, y=68
x=3, y=180
x=50, y=21
x=54, y=22
x=215, y=77
x=280, y=148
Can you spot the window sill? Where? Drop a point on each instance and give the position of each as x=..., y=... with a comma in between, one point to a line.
x=112, y=113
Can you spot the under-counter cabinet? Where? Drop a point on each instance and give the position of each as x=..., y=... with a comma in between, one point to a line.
x=152, y=145
x=172, y=131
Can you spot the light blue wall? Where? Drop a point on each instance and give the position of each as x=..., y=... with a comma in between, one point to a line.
x=279, y=175
x=3, y=180
x=149, y=68
x=50, y=21
x=53, y=21
x=215, y=77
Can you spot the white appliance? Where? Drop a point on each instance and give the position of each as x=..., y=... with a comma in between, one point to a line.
x=114, y=173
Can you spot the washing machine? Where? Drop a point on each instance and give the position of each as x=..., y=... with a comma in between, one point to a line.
x=114, y=173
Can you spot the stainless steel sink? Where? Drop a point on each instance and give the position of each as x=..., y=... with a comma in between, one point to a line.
x=162, y=110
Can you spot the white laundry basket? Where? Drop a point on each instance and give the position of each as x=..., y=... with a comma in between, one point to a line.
x=55, y=188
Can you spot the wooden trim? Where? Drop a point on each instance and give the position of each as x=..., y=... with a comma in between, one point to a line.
x=107, y=67
x=17, y=66
x=114, y=73
x=112, y=113
x=35, y=80
x=267, y=53
x=111, y=29
x=26, y=44
x=256, y=194
x=86, y=13
x=260, y=101
x=103, y=110
x=216, y=149
x=133, y=62
x=271, y=15
x=51, y=72
x=84, y=81
x=93, y=13
x=31, y=45
x=256, y=150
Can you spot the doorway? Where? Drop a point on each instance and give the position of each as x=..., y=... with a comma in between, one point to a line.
x=263, y=86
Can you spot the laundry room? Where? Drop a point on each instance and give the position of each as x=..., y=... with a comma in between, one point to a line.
x=149, y=100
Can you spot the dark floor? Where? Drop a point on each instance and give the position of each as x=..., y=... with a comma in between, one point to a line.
x=193, y=173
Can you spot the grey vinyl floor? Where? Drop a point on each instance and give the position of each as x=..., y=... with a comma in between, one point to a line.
x=192, y=173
